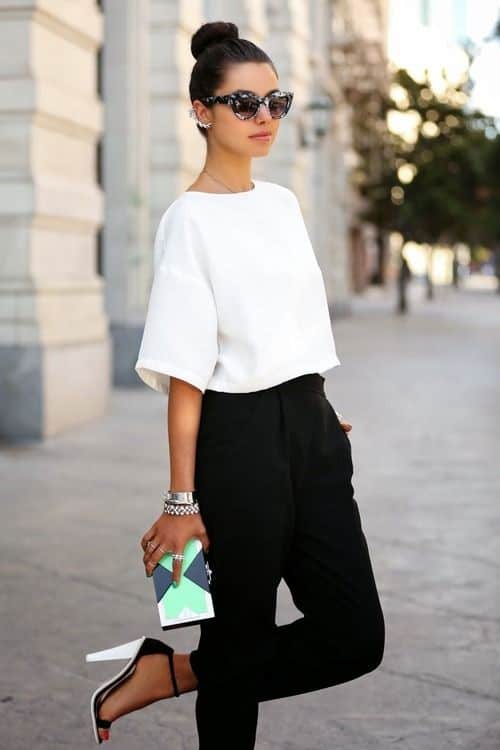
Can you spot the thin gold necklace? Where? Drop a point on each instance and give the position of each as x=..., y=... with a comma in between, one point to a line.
x=226, y=186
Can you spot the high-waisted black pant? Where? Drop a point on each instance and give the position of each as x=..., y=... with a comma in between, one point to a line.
x=273, y=472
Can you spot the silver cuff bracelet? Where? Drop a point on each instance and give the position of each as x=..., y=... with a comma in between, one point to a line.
x=181, y=498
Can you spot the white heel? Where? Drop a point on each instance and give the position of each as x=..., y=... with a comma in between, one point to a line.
x=123, y=651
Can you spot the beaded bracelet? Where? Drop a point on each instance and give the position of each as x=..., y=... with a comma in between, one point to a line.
x=176, y=509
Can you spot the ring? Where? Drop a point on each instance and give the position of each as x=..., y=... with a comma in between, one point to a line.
x=151, y=544
x=177, y=557
x=162, y=549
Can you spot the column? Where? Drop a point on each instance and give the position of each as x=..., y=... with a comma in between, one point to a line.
x=127, y=237
x=54, y=343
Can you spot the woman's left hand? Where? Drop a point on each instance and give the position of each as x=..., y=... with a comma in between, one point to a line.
x=346, y=426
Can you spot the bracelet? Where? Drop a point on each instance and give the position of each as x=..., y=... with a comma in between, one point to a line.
x=182, y=498
x=178, y=509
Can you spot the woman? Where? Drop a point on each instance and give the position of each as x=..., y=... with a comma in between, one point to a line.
x=238, y=334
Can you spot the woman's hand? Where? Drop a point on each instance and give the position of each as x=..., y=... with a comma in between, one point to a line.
x=346, y=426
x=171, y=534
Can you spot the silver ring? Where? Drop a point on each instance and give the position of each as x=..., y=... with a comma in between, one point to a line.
x=177, y=557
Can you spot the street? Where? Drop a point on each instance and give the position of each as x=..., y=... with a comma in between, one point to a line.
x=423, y=395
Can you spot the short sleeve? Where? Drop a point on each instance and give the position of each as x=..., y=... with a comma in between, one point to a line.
x=180, y=330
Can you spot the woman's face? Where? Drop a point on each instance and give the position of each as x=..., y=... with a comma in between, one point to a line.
x=228, y=130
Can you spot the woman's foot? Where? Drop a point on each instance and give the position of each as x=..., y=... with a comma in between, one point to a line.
x=149, y=682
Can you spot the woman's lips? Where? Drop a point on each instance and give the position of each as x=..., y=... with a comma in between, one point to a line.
x=261, y=137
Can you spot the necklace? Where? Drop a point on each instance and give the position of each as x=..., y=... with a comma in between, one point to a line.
x=226, y=186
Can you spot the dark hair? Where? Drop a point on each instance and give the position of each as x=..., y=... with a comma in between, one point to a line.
x=215, y=46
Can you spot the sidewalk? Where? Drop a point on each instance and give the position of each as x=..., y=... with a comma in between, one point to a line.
x=423, y=394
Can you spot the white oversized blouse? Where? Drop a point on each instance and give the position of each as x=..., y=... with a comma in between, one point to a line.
x=238, y=300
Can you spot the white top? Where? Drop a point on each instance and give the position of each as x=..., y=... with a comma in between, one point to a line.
x=238, y=300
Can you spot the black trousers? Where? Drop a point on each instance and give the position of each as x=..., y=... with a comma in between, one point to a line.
x=273, y=472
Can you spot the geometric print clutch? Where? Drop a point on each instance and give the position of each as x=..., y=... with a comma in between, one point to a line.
x=191, y=601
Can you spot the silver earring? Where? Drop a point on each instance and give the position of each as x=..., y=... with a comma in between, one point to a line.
x=192, y=113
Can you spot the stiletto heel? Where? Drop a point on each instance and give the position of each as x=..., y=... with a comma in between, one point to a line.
x=133, y=650
x=124, y=651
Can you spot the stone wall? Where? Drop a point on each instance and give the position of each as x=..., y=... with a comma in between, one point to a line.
x=54, y=341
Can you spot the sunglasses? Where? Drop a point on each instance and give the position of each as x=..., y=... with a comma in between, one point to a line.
x=245, y=104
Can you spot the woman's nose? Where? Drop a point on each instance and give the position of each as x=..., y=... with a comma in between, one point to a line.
x=263, y=113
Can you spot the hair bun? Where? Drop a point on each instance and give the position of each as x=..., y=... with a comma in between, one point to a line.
x=210, y=33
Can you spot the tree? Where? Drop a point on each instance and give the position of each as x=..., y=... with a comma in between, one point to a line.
x=434, y=180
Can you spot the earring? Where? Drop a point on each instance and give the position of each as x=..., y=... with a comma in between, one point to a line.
x=192, y=113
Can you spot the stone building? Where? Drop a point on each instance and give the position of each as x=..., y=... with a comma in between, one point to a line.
x=95, y=141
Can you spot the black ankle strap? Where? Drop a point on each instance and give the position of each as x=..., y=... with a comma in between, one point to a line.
x=172, y=671
x=103, y=723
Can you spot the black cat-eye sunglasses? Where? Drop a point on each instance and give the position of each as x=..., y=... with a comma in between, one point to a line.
x=245, y=104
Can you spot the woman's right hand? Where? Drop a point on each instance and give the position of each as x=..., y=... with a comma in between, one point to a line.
x=170, y=534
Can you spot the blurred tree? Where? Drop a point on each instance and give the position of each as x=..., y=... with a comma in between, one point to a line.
x=429, y=165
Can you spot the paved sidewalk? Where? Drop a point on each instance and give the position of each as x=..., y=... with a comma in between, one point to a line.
x=423, y=395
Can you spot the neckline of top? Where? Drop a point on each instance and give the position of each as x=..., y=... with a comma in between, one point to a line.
x=256, y=184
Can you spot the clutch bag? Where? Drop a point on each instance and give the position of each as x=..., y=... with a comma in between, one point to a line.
x=190, y=602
